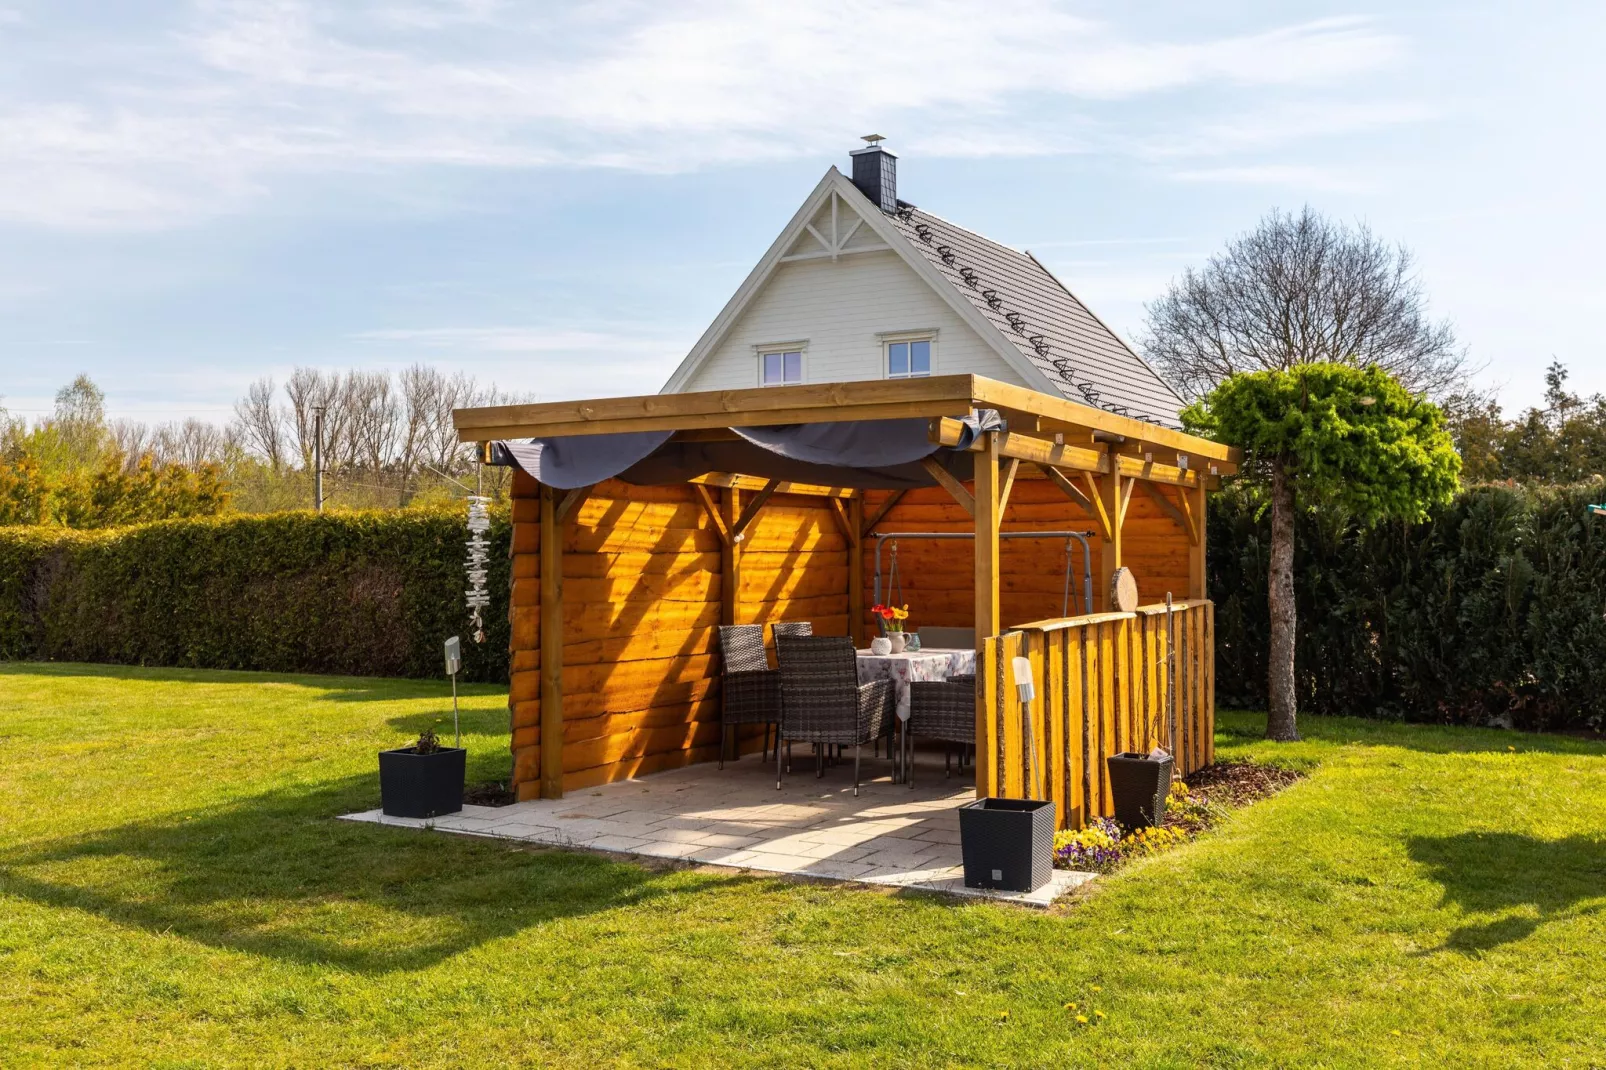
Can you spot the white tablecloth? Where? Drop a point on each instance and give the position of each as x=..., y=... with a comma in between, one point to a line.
x=904, y=669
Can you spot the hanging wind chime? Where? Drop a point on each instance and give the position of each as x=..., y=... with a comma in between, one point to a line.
x=479, y=553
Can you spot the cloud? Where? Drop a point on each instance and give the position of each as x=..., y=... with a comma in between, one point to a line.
x=224, y=97
x=1299, y=176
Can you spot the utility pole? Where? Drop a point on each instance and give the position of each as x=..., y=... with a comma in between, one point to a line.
x=317, y=458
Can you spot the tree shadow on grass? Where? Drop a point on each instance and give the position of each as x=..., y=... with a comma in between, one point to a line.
x=333, y=688
x=1526, y=880
x=275, y=875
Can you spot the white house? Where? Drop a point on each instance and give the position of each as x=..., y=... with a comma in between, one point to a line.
x=862, y=285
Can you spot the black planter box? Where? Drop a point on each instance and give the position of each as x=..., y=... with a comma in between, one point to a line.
x=1140, y=784
x=421, y=785
x=1007, y=843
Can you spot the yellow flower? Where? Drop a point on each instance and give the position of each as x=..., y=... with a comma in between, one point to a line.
x=1095, y=988
x=1070, y=1006
x=1098, y=1014
x=1082, y=1018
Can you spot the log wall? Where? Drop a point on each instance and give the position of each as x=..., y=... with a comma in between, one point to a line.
x=641, y=604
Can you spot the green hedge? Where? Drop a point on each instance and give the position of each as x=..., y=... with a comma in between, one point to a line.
x=369, y=593
x=1492, y=611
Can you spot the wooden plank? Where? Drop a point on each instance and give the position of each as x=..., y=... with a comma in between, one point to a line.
x=839, y=514
x=1107, y=708
x=881, y=511
x=750, y=510
x=1177, y=516
x=986, y=725
x=1210, y=681
x=1108, y=490
x=858, y=622
x=946, y=480
x=1100, y=509
x=551, y=648
x=1009, y=737
x=711, y=507
x=1052, y=689
x=1044, y=451
x=1071, y=490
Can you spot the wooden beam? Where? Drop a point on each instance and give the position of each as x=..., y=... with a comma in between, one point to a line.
x=1178, y=517
x=711, y=507
x=730, y=560
x=1007, y=484
x=1095, y=499
x=868, y=247
x=985, y=510
x=992, y=393
x=881, y=511
x=741, y=482
x=572, y=501
x=856, y=617
x=1125, y=500
x=750, y=511
x=946, y=480
x=551, y=646
x=839, y=513
x=1071, y=490
x=947, y=431
x=1111, y=500
x=1198, y=576
x=937, y=395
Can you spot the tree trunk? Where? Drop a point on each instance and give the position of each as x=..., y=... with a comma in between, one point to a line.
x=1283, y=700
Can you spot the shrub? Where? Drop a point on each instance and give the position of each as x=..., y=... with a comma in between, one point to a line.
x=1492, y=610
x=365, y=593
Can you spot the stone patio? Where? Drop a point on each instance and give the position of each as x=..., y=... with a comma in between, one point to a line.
x=890, y=835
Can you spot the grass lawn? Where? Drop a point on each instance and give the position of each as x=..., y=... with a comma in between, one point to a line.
x=174, y=892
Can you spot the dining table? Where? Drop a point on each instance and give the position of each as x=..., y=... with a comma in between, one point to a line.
x=914, y=666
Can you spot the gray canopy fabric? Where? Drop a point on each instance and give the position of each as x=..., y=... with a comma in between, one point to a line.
x=863, y=454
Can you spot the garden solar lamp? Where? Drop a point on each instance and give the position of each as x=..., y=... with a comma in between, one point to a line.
x=1026, y=688
x=454, y=662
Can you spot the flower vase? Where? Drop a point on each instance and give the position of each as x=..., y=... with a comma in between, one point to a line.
x=898, y=642
x=881, y=646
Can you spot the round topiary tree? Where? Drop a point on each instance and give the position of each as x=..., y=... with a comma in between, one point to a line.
x=1327, y=437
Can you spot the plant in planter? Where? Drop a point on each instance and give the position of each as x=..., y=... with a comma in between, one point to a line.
x=423, y=780
x=891, y=619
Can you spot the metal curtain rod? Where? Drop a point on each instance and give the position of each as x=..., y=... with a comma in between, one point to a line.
x=1065, y=605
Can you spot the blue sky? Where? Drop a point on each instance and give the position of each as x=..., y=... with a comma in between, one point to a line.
x=560, y=197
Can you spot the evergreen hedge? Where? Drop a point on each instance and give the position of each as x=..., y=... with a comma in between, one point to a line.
x=363, y=593
x=1492, y=611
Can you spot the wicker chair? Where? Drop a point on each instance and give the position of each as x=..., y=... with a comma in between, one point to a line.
x=823, y=702
x=751, y=691
x=941, y=709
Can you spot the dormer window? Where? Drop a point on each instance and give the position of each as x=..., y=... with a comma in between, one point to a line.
x=781, y=364
x=908, y=354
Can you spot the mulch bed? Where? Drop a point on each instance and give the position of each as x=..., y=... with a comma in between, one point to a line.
x=1238, y=783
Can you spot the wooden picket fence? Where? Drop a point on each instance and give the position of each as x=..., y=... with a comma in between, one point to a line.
x=1106, y=683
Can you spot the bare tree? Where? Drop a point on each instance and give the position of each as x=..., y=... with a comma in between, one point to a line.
x=373, y=417
x=1301, y=290
x=1298, y=290
x=132, y=439
x=259, y=423
x=191, y=443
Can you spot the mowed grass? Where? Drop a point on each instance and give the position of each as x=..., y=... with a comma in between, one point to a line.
x=175, y=891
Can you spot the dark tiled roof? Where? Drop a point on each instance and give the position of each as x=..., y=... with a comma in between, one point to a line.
x=1050, y=327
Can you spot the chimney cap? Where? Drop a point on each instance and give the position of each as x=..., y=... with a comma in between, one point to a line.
x=872, y=139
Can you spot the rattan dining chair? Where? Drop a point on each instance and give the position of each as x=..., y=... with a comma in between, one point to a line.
x=750, y=690
x=822, y=701
x=943, y=710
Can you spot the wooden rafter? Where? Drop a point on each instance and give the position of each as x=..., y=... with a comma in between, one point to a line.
x=1043, y=451
x=750, y=510
x=1182, y=517
x=1101, y=515
x=572, y=501
x=945, y=478
x=839, y=513
x=730, y=481
x=1124, y=499
x=711, y=507
x=1071, y=490
x=882, y=511
x=1007, y=483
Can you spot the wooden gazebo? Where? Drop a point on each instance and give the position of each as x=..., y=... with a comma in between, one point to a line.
x=618, y=586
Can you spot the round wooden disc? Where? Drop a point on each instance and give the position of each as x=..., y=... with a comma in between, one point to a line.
x=1123, y=591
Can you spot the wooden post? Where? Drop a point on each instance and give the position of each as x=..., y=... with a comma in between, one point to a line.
x=730, y=561
x=1198, y=578
x=1110, y=497
x=856, y=617
x=987, y=612
x=551, y=647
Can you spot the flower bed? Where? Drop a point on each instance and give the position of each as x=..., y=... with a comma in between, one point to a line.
x=1190, y=809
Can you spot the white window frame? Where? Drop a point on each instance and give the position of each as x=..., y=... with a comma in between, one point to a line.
x=889, y=338
x=801, y=348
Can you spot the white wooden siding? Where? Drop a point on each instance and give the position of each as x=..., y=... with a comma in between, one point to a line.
x=841, y=307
